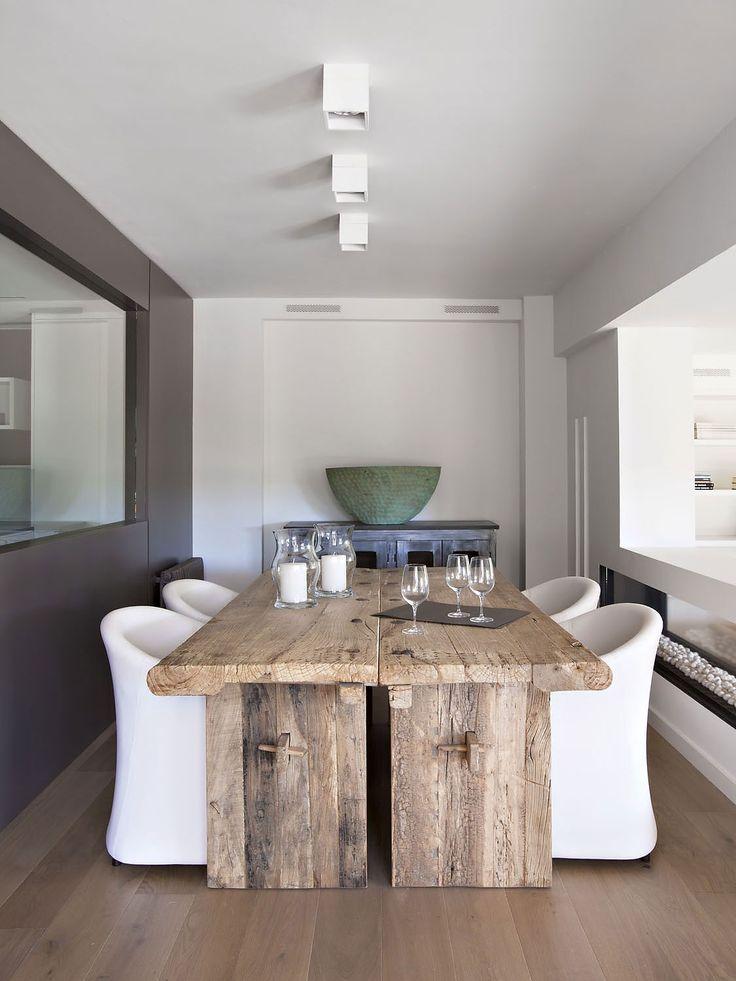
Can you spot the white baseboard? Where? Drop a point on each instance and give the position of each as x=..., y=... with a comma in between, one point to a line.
x=699, y=735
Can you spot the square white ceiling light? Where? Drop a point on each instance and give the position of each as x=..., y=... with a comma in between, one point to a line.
x=353, y=234
x=345, y=96
x=350, y=177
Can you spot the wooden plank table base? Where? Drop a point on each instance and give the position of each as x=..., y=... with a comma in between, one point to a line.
x=286, y=787
x=286, y=737
x=470, y=742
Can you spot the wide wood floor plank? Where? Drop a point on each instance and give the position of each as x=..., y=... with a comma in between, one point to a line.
x=675, y=780
x=14, y=946
x=416, y=938
x=553, y=940
x=701, y=846
x=347, y=937
x=42, y=893
x=277, y=941
x=643, y=922
x=174, y=880
x=25, y=841
x=209, y=942
x=68, y=947
x=485, y=943
x=139, y=946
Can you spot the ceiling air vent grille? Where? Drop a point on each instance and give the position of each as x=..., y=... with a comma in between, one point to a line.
x=712, y=372
x=460, y=308
x=313, y=308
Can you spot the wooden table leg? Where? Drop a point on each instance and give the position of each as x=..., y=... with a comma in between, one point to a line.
x=286, y=787
x=470, y=781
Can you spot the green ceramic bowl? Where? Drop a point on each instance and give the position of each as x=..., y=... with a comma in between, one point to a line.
x=383, y=495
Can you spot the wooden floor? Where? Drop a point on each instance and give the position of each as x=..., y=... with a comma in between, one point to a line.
x=66, y=913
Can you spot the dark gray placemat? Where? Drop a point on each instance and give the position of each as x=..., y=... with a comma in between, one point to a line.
x=437, y=613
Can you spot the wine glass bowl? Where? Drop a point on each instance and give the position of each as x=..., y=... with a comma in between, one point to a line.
x=415, y=590
x=481, y=581
x=457, y=577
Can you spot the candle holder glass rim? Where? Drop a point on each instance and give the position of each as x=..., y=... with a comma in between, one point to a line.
x=336, y=538
x=295, y=547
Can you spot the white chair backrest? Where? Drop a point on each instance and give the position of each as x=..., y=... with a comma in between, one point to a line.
x=137, y=637
x=567, y=597
x=196, y=598
x=625, y=636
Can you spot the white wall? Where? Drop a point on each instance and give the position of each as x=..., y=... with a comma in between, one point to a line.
x=593, y=391
x=229, y=422
x=655, y=377
x=228, y=439
x=704, y=739
x=394, y=392
x=692, y=220
x=544, y=438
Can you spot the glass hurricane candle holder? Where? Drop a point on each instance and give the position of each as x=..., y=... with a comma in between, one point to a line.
x=295, y=569
x=336, y=559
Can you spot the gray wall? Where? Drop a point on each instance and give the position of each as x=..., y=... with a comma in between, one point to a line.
x=170, y=422
x=55, y=689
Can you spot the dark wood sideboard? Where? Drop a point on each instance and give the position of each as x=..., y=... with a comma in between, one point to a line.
x=427, y=542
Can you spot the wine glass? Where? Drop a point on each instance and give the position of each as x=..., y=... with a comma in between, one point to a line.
x=481, y=582
x=415, y=590
x=457, y=575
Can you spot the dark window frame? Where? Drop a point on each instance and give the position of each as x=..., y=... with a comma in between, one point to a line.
x=136, y=373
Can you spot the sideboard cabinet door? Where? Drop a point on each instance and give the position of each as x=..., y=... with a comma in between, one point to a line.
x=470, y=546
x=373, y=554
x=427, y=553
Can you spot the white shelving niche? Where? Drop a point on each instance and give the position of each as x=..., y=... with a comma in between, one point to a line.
x=714, y=402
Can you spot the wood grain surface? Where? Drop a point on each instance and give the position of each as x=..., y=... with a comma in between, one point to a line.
x=470, y=787
x=340, y=641
x=251, y=641
x=532, y=650
x=287, y=803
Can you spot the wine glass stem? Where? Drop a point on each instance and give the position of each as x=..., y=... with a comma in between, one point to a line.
x=457, y=595
x=414, y=608
x=480, y=599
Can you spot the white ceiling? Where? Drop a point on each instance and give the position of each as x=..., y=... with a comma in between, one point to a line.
x=509, y=138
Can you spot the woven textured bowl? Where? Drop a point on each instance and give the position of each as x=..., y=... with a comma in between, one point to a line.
x=383, y=495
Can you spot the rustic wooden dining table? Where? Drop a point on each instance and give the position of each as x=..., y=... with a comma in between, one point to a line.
x=286, y=737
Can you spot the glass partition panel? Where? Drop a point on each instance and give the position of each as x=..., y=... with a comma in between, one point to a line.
x=62, y=401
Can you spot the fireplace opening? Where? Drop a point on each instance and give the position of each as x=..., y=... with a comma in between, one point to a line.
x=697, y=651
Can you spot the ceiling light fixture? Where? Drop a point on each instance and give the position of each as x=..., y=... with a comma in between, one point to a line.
x=350, y=177
x=353, y=234
x=345, y=96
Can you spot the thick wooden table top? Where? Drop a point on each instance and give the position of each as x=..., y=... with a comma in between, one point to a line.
x=339, y=641
x=251, y=641
x=533, y=649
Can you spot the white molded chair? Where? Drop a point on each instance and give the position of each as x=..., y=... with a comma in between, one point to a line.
x=159, y=809
x=601, y=805
x=196, y=598
x=562, y=599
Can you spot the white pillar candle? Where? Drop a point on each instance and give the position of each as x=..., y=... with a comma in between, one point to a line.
x=293, y=582
x=334, y=573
